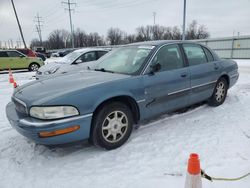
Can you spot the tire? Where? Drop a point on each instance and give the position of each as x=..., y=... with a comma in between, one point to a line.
x=34, y=67
x=220, y=93
x=111, y=126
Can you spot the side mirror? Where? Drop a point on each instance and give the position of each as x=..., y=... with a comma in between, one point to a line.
x=155, y=68
x=21, y=56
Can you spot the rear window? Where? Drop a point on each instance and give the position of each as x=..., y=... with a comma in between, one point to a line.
x=208, y=54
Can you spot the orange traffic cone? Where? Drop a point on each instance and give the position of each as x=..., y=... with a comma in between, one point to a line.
x=193, y=178
x=15, y=84
x=11, y=79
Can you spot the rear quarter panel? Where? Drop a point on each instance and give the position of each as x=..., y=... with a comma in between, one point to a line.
x=230, y=68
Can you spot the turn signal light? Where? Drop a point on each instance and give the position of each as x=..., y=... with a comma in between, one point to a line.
x=45, y=134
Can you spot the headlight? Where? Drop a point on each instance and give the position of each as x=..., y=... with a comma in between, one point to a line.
x=53, y=112
x=52, y=71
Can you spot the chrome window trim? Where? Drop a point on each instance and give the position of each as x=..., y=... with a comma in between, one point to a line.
x=151, y=59
x=46, y=123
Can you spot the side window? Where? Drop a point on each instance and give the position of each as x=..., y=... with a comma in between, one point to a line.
x=208, y=54
x=195, y=54
x=13, y=54
x=101, y=53
x=169, y=57
x=90, y=56
x=3, y=54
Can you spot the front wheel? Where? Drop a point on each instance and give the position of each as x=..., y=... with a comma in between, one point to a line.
x=112, y=126
x=34, y=67
x=220, y=93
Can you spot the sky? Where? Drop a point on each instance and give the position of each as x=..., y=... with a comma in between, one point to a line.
x=221, y=17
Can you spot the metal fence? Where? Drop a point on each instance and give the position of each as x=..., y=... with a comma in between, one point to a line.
x=229, y=47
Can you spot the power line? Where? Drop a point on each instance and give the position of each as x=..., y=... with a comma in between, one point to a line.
x=38, y=27
x=18, y=23
x=69, y=3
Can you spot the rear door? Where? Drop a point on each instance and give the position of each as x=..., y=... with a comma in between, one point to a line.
x=167, y=89
x=204, y=72
x=4, y=62
x=17, y=60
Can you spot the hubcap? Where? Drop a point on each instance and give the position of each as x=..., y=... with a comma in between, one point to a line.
x=34, y=67
x=114, y=126
x=220, y=91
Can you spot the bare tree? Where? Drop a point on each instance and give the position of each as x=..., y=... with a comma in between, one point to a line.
x=94, y=39
x=129, y=38
x=143, y=33
x=176, y=33
x=115, y=36
x=59, y=39
x=35, y=42
x=196, y=31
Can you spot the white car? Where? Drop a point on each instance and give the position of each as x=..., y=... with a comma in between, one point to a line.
x=74, y=61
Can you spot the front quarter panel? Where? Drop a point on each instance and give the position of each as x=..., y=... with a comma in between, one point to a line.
x=88, y=99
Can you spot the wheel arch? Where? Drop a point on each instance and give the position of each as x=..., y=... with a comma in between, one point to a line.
x=226, y=77
x=125, y=99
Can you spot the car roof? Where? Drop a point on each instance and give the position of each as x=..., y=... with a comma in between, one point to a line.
x=90, y=49
x=159, y=42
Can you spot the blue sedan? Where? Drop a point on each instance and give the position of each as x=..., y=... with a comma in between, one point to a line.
x=131, y=84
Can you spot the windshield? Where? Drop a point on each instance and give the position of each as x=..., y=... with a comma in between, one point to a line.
x=68, y=59
x=125, y=60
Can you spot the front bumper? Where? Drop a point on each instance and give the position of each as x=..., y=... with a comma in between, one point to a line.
x=30, y=127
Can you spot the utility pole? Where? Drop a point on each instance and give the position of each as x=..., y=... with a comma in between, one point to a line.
x=69, y=3
x=184, y=21
x=154, y=14
x=20, y=29
x=38, y=27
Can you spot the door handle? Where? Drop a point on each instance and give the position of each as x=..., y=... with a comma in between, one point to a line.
x=184, y=74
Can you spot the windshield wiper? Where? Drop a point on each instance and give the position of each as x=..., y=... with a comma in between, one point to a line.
x=104, y=70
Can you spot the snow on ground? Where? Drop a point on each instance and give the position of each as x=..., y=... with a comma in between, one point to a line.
x=155, y=155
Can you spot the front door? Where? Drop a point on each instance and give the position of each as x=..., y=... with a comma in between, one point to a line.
x=167, y=89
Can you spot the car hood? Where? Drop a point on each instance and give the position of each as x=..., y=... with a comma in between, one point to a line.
x=49, y=67
x=61, y=68
x=41, y=91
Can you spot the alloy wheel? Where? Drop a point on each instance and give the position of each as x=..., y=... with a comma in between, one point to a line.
x=114, y=126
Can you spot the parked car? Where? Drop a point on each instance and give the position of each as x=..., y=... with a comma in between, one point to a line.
x=41, y=55
x=72, y=62
x=131, y=84
x=27, y=52
x=16, y=60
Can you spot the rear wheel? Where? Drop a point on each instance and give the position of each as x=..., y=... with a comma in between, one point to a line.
x=220, y=93
x=34, y=67
x=112, y=126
